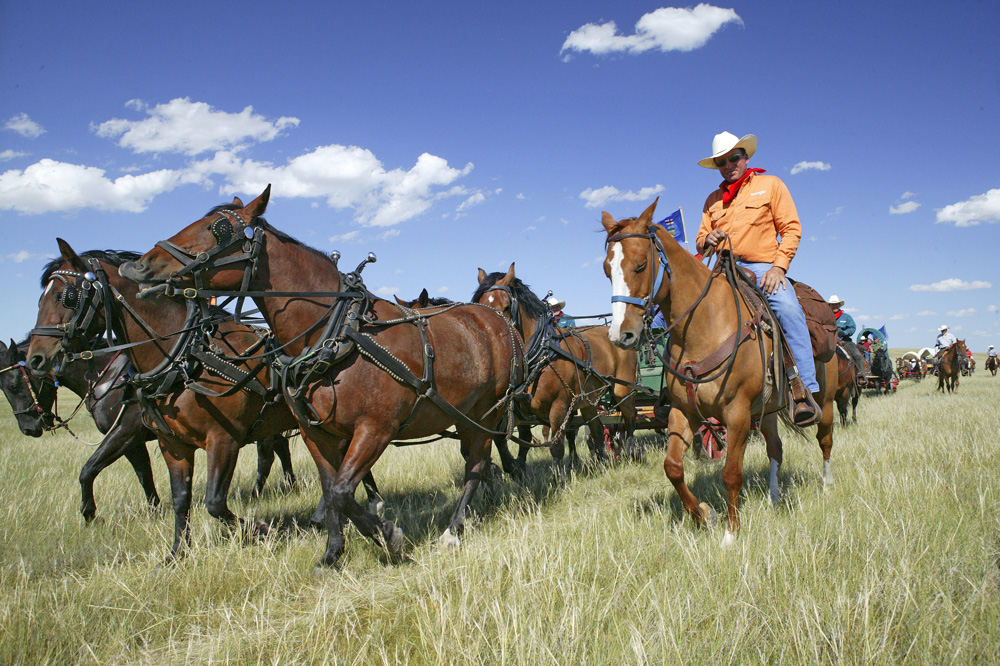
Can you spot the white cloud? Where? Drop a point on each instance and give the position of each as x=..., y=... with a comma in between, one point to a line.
x=805, y=166
x=386, y=235
x=927, y=313
x=976, y=210
x=442, y=290
x=387, y=291
x=903, y=208
x=349, y=237
x=347, y=177
x=951, y=284
x=24, y=126
x=49, y=186
x=23, y=255
x=602, y=195
x=992, y=308
x=7, y=155
x=965, y=312
x=520, y=196
x=191, y=128
x=847, y=310
x=907, y=195
x=474, y=200
x=898, y=317
x=664, y=29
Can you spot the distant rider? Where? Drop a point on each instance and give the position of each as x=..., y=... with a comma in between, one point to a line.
x=845, y=331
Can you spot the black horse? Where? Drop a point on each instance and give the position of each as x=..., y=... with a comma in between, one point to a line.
x=882, y=368
x=32, y=400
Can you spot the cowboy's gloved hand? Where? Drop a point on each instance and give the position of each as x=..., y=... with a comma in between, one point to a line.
x=773, y=279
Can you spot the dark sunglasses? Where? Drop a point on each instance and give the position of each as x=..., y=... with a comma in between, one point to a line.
x=732, y=159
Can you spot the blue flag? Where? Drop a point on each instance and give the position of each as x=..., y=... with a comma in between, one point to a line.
x=884, y=334
x=674, y=224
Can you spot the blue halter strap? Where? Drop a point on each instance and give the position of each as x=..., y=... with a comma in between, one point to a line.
x=664, y=272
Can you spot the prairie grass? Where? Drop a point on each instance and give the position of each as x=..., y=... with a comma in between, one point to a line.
x=897, y=563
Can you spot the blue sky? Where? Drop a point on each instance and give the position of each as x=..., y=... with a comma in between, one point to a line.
x=450, y=136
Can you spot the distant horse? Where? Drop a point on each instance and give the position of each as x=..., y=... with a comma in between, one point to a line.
x=206, y=412
x=882, y=370
x=718, y=355
x=949, y=367
x=424, y=300
x=847, y=386
x=566, y=366
x=992, y=364
x=359, y=373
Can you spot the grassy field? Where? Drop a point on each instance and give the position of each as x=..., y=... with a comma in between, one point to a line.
x=896, y=564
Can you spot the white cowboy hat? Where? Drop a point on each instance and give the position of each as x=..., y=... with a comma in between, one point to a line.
x=835, y=300
x=991, y=346
x=555, y=303
x=723, y=143
x=943, y=327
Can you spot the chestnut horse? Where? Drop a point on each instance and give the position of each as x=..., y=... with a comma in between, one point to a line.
x=992, y=364
x=184, y=420
x=949, y=367
x=718, y=356
x=568, y=367
x=353, y=363
x=847, y=386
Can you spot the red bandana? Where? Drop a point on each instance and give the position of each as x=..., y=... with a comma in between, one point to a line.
x=732, y=189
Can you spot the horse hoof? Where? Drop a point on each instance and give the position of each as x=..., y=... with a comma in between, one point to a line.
x=448, y=540
x=395, y=544
x=709, y=518
x=728, y=540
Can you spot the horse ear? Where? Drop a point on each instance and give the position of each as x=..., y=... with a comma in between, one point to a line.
x=71, y=257
x=482, y=276
x=508, y=278
x=424, y=299
x=609, y=222
x=238, y=202
x=257, y=207
x=647, y=215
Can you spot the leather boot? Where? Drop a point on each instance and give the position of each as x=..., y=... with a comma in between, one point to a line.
x=805, y=411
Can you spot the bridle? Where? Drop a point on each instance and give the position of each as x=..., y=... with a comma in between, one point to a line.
x=35, y=408
x=85, y=294
x=250, y=236
x=656, y=278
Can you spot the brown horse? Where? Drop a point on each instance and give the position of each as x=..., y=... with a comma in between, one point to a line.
x=353, y=363
x=992, y=364
x=569, y=366
x=183, y=420
x=949, y=368
x=848, y=391
x=718, y=355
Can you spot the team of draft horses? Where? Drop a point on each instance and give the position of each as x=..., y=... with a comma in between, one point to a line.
x=141, y=341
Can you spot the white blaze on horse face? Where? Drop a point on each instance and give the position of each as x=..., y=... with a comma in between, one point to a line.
x=619, y=287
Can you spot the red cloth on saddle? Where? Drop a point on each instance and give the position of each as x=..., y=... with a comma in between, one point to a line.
x=732, y=189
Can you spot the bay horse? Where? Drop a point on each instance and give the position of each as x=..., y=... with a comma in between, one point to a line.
x=567, y=367
x=992, y=364
x=949, y=367
x=718, y=356
x=118, y=419
x=183, y=419
x=353, y=364
x=848, y=392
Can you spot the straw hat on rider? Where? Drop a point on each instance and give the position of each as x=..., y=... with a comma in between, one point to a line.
x=835, y=301
x=943, y=327
x=554, y=303
x=725, y=142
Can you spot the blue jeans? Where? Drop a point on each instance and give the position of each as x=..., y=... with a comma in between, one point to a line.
x=786, y=307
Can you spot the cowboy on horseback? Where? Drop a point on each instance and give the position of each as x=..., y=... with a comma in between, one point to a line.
x=845, y=332
x=753, y=210
x=943, y=341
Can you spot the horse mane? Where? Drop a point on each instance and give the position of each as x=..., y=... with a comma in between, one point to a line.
x=113, y=257
x=530, y=303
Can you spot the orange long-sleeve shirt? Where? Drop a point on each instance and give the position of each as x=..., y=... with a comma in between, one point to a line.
x=761, y=211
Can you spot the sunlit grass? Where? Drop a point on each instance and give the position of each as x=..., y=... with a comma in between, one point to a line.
x=897, y=563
